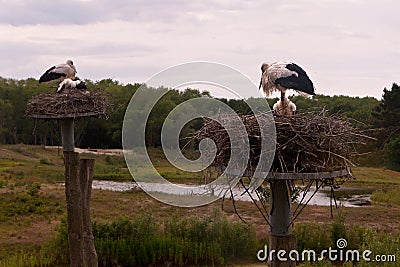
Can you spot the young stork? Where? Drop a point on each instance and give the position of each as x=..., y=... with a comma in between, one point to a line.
x=59, y=72
x=70, y=84
x=282, y=76
x=284, y=107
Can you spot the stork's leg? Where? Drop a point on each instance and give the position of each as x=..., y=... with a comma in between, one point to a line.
x=283, y=95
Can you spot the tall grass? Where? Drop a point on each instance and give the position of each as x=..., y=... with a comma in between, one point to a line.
x=316, y=237
x=390, y=197
x=51, y=253
x=26, y=199
x=211, y=240
x=380, y=244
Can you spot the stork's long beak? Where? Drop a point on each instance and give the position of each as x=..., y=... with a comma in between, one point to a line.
x=259, y=87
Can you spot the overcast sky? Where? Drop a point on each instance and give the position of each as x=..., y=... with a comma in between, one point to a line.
x=347, y=47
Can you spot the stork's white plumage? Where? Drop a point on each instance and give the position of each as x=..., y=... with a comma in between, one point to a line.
x=70, y=84
x=281, y=76
x=59, y=72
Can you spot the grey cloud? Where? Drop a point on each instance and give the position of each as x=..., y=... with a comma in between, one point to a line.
x=70, y=12
x=31, y=12
x=115, y=50
x=337, y=42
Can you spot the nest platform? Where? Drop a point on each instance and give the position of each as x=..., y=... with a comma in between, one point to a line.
x=69, y=104
x=312, y=150
x=308, y=146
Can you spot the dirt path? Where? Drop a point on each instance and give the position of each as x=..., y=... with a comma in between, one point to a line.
x=110, y=152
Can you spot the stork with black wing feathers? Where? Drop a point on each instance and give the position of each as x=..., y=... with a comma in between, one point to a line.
x=282, y=76
x=59, y=72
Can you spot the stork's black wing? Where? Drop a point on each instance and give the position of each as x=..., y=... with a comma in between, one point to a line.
x=300, y=83
x=50, y=75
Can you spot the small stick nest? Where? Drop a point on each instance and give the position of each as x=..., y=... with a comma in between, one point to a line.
x=312, y=143
x=69, y=103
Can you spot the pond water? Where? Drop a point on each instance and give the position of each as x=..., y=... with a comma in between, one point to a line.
x=350, y=198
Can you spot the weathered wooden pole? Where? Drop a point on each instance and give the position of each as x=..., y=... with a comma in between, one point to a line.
x=280, y=220
x=86, y=179
x=74, y=209
x=78, y=184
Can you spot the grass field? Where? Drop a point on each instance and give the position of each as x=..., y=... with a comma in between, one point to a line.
x=32, y=200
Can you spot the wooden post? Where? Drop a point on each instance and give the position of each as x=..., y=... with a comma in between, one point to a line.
x=86, y=179
x=280, y=219
x=78, y=188
x=286, y=243
x=73, y=195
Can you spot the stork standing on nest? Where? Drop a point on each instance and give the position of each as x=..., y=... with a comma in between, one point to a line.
x=282, y=76
x=59, y=72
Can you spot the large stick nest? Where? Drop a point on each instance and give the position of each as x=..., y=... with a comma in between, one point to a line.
x=69, y=103
x=304, y=143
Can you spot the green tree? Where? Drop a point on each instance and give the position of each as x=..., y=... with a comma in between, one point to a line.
x=392, y=149
x=386, y=117
x=5, y=121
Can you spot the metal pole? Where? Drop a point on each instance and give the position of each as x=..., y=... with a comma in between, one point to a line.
x=67, y=134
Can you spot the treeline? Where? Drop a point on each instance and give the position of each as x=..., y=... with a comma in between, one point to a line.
x=15, y=127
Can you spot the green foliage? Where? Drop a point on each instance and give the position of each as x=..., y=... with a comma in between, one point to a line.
x=25, y=202
x=44, y=161
x=210, y=240
x=338, y=229
x=311, y=236
x=6, y=109
x=15, y=128
x=320, y=238
x=356, y=108
x=389, y=197
x=108, y=159
x=52, y=253
x=386, y=117
x=111, y=168
x=380, y=244
x=392, y=149
x=194, y=241
x=387, y=113
x=113, y=176
x=326, y=235
x=33, y=189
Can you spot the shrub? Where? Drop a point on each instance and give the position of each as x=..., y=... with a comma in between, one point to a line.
x=33, y=189
x=391, y=196
x=393, y=153
x=208, y=241
x=211, y=240
x=108, y=159
x=44, y=161
x=27, y=202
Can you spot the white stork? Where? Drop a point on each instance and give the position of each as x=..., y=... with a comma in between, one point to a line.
x=59, y=72
x=70, y=84
x=282, y=76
